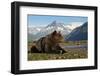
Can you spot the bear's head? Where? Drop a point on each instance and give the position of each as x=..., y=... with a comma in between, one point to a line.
x=57, y=37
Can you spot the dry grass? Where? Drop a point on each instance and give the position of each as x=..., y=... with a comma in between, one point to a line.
x=73, y=53
x=70, y=54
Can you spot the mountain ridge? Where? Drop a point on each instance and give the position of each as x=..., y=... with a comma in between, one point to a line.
x=38, y=32
x=79, y=33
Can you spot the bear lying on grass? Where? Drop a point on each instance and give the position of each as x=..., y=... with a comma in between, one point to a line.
x=49, y=44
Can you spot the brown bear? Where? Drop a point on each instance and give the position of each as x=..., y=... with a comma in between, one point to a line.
x=49, y=44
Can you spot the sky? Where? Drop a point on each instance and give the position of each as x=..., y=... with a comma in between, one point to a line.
x=44, y=20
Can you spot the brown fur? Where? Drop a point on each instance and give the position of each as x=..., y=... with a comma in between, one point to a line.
x=49, y=44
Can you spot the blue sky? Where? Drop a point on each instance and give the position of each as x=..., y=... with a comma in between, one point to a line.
x=42, y=20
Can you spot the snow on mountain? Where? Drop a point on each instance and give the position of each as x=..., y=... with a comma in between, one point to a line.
x=58, y=27
x=74, y=25
x=79, y=33
x=34, y=30
x=52, y=27
x=38, y=32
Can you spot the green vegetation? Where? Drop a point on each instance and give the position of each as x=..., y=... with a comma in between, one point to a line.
x=71, y=53
x=78, y=54
x=68, y=43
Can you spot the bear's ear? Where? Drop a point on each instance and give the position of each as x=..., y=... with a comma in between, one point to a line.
x=55, y=32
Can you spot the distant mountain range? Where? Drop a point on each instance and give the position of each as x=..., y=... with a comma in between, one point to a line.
x=79, y=33
x=74, y=25
x=52, y=27
x=34, y=30
x=34, y=33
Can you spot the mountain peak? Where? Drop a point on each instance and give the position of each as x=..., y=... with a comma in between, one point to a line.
x=55, y=24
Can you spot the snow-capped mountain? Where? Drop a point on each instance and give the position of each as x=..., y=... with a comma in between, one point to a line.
x=79, y=33
x=74, y=25
x=34, y=30
x=37, y=32
x=52, y=27
x=55, y=26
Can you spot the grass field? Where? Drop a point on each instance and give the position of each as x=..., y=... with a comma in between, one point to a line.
x=71, y=53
